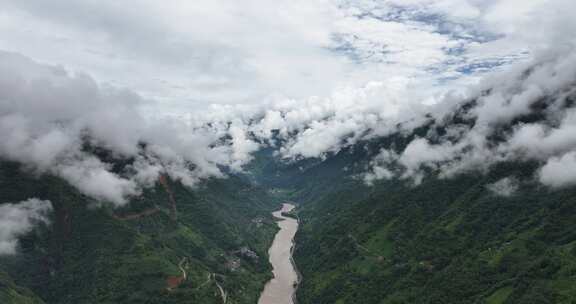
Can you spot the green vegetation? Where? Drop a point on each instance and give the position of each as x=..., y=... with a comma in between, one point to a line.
x=93, y=253
x=500, y=296
x=11, y=293
x=443, y=241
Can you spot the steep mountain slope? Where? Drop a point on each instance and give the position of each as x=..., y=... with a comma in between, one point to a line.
x=473, y=203
x=170, y=245
x=440, y=242
x=491, y=232
x=11, y=293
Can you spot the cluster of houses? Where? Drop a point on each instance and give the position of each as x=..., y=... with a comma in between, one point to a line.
x=234, y=261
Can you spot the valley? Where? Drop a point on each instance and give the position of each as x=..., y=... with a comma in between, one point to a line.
x=140, y=253
x=287, y=152
x=440, y=241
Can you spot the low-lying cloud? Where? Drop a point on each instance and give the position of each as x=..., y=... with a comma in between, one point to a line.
x=19, y=219
x=526, y=117
x=559, y=171
x=53, y=120
x=505, y=187
x=384, y=67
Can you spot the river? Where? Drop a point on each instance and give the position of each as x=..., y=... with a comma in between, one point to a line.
x=281, y=288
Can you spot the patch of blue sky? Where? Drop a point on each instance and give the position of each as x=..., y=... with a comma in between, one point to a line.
x=461, y=33
x=346, y=44
x=460, y=67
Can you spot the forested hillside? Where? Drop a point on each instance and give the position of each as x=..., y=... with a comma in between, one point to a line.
x=171, y=244
x=491, y=233
x=452, y=209
x=444, y=241
x=422, y=151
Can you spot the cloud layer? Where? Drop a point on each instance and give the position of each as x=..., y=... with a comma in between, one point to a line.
x=529, y=116
x=54, y=121
x=218, y=51
x=203, y=85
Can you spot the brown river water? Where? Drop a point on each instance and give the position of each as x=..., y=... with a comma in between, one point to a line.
x=281, y=288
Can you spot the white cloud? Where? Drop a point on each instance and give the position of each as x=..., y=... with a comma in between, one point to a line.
x=499, y=103
x=49, y=116
x=505, y=187
x=205, y=51
x=324, y=73
x=18, y=219
x=420, y=153
x=380, y=167
x=242, y=147
x=559, y=171
x=93, y=178
x=195, y=53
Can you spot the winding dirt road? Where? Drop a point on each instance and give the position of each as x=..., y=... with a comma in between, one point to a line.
x=222, y=291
